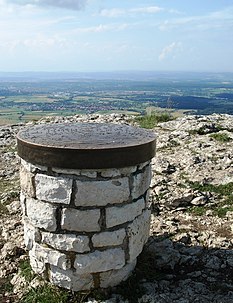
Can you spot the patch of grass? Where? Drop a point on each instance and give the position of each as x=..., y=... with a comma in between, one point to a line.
x=3, y=209
x=9, y=191
x=51, y=294
x=225, y=192
x=9, y=185
x=183, y=175
x=98, y=294
x=197, y=210
x=221, y=137
x=199, y=131
x=9, y=149
x=26, y=270
x=45, y=294
x=219, y=210
x=174, y=143
x=203, y=130
x=222, y=211
x=5, y=285
x=222, y=189
x=150, y=121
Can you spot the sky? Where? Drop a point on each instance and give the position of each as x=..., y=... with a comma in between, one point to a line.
x=110, y=35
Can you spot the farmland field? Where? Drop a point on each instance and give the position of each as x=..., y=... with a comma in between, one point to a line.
x=27, y=99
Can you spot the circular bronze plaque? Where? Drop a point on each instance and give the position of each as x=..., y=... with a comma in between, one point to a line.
x=86, y=145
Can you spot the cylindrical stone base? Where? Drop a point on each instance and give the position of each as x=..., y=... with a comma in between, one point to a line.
x=84, y=229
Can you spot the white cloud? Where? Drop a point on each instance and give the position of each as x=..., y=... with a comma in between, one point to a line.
x=44, y=42
x=169, y=49
x=101, y=28
x=217, y=19
x=112, y=13
x=92, y=29
x=36, y=44
x=68, y=4
x=175, y=11
x=117, y=12
x=147, y=10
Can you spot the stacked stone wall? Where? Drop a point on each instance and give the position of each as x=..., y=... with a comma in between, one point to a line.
x=84, y=229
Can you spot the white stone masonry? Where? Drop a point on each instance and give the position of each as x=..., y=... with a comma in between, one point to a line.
x=84, y=229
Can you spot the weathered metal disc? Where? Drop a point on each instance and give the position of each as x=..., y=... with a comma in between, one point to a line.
x=86, y=145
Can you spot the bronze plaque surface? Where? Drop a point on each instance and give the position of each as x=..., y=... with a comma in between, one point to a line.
x=86, y=145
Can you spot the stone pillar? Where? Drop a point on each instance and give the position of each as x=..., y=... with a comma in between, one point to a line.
x=85, y=211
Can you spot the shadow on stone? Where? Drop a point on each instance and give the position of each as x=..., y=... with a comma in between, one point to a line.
x=172, y=271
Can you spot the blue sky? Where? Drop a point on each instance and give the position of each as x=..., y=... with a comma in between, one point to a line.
x=110, y=35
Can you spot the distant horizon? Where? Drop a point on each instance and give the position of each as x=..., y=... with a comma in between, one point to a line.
x=126, y=72
x=135, y=75
x=118, y=71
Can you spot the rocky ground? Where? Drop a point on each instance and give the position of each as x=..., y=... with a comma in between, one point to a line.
x=189, y=256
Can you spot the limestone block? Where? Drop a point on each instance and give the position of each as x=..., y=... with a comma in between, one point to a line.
x=99, y=261
x=80, y=220
x=60, y=277
x=70, y=280
x=138, y=233
x=126, y=171
x=31, y=234
x=25, y=165
x=53, y=189
x=119, y=215
x=89, y=173
x=148, y=201
x=141, y=183
x=109, y=238
x=26, y=182
x=101, y=193
x=110, y=173
x=142, y=165
x=22, y=200
x=53, y=257
x=41, y=215
x=67, y=242
x=66, y=171
x=37, y=265
x=32, y=168
x=114, y=277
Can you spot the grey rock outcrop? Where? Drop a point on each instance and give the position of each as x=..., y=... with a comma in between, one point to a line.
x=189, y=256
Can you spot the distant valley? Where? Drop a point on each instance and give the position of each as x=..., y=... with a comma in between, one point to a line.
x=30, y=96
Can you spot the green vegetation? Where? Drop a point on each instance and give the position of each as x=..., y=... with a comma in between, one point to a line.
x=3, y=209
x=5, y=285
x=45, y=294
x=26, y=270
x=9, y=190
x=9, y=149
x=23, y=101
x=199, y=131
x=131, y=289
x=222, y=189
x=42, y=294
x=150, y=121
x=221, y=137
x=198, y=210
x=225, y=204
x=220, y=210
